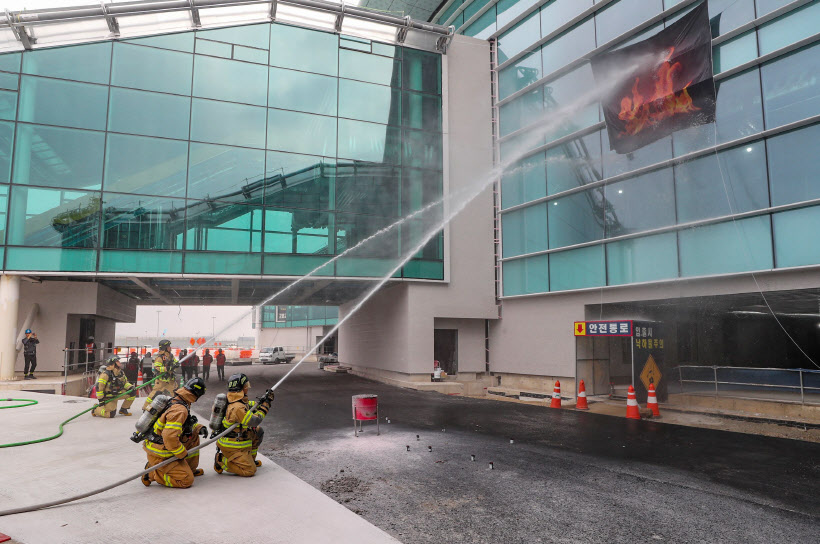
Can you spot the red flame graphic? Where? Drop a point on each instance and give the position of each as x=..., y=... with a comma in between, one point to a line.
x=642, y=111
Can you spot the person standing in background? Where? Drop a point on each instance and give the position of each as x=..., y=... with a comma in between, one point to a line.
x=207, y=359
x=195, y=364
x=30, y=354
x=220, y=365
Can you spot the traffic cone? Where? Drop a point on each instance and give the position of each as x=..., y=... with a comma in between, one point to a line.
x=139, y=383
x=581, y=404
x=556, y=395
x=652, y=401
x=632, y=409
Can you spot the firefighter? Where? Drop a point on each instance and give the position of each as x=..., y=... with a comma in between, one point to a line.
x=236, y=451
x=175, y=432
x=112, y=382
x=164, y=364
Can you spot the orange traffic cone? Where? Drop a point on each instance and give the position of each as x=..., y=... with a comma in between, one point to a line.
x=652, y=401
x=581, y=404
x=632, y=409
x=556, y=395
x=139, y=383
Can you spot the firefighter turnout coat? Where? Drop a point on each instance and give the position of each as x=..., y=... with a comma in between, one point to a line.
x=166, y=382
x=111, y=382
x=175, y=442
x=238, y=448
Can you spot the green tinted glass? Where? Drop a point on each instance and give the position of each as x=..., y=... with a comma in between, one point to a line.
x=369, y=142
x=159, y=262
x=53, y=217
x=297, y=231
x=302, y=49
x=369, y=102
x=301, y=91
x=142, y=222
x=50, y=259
x=151, y=69
x=301, y=133
x=58, y=157
x=135, y=164
x=230, y=124
x=63, y=103
x=149, y=114
x=368, y=67
x=230, y=80
x=225, y=173
x=90, y=63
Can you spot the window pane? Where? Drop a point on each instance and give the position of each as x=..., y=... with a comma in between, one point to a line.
x=482, y=27
x=521, y=112
x=51, y=259
x=10, y=62
x=145, y=165
x=510, y=9
x=768, y=6
x=8, y=105
x=159, y=262
x=519, y=37
x=368, y=102
x=422, y=149
x=58, y=157
x=368, y=67
x=734, y=52
x=577, y=268
x=88, y=63
x=298, y=181
x=559, y=12
x=140, y=222
x=222, y=263
x=250, y=55
x=223, y=226
x=6, y=144
x=576, y=219
x=568, y=47
x=790, y=28
x=297, y=231
x=641, y=203
x=655, y=152
x=422, y=111
x=229, y=80
x=525, y=276
x=225, y=173
x=733, y=246
x=791, y=87
x=699, y=183
x=250, y=35
x=521, y=73
x=422, y=71
x=53, y=217
x=151, y=69
x=301, y=91
x=574, y=163
x=352, y=229
x=10, y=82
x=623, y=15
x=4, y=205
x=739, y=114
x=524, y=181
x=230, y=124
x=182, y=41
x=301, y=133
x=790, y=230
x=420, y=188
x=642, y=259
x=64, y=103
x=296, y=265
x=206, y=47
x=525, y=230
x=369, y=142
x=727, y=15
x=564, y=91
x=793, y=166
x=149, y=114
x=369, y=189
x=301, y=49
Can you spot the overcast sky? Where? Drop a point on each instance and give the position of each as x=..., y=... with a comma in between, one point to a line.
x=192, y=321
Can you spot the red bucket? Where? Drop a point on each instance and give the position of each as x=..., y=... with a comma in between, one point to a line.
x=365, y=407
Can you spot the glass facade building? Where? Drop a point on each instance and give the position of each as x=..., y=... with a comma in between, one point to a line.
x=298, y=316
x=734, y=196
x=262, y=149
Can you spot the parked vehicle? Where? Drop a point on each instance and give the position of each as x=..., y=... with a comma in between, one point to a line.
x=275, y=356
x=328, y=359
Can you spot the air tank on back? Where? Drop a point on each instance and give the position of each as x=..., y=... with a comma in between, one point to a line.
x=146, y=421
x=218, y=413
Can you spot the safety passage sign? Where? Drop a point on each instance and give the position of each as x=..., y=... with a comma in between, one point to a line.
x=603, y=328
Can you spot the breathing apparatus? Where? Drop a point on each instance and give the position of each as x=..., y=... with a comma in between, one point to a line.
x=145, y=424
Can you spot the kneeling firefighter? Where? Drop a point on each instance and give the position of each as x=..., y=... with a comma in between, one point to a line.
x=111, y=383
x=236, y=451
x=164, y=365
x=170, y=430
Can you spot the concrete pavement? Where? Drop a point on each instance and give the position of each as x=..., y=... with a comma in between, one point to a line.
x=274, y=506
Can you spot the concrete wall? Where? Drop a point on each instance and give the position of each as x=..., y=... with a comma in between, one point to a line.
x=471, y=336
x=62, y=303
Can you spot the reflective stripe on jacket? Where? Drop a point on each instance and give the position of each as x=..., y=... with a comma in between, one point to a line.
x=112, y=381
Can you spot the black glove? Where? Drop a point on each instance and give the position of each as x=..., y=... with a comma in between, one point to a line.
x=132, y=390
x=203, y=432
x=269, y=396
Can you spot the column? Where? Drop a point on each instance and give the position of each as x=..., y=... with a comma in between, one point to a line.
x=9, y=306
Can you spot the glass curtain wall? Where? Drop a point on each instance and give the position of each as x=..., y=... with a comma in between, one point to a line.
x=299, y=316
x=573, y=214
x=259, y=149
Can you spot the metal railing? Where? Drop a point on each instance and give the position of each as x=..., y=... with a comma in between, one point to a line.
x=794, y=385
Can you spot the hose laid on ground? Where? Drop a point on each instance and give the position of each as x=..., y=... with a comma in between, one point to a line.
x=28, y=402
x=72, y=418
x=115, y=484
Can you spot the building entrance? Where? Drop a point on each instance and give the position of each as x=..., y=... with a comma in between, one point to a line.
x=445, y=349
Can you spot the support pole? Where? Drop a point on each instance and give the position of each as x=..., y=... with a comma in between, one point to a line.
x=9, y=307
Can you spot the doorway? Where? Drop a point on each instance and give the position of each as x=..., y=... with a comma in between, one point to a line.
x=445, y=349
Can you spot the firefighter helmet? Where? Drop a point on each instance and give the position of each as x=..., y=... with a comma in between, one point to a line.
x=112, y=360
x=237, y=382
x=195, y=386
x=164, y=344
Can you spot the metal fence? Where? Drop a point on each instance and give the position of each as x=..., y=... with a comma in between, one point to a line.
x=798, y=385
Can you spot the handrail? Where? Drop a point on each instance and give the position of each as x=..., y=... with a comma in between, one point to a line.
x=801, y=387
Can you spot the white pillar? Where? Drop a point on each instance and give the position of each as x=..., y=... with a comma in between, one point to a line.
x=9, y=306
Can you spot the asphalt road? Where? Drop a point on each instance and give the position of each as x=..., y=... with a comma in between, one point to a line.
x=566, y=477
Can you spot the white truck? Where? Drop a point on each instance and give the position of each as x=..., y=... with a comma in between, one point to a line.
x=275, y=356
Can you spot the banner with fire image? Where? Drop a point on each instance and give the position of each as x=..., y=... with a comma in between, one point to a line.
x=660, y=85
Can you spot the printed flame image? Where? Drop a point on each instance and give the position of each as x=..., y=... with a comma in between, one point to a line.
x=646, y=110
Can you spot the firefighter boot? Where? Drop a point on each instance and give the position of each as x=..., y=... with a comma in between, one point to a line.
x=198, y=472
x=124, y=412
x=218, y=462
x=146, y=478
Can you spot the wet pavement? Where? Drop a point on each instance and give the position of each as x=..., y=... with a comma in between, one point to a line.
x=566, y=477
